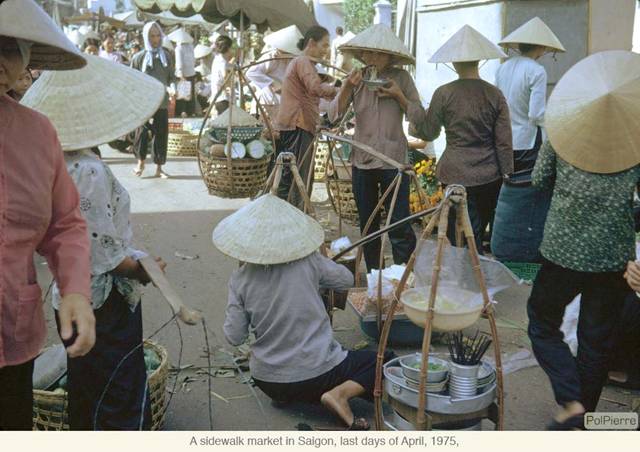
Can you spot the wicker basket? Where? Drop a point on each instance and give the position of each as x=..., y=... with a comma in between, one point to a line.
x=51, y=409
x=246, y=178
x=243, y=134
x=342, y=199
x=321, y=161
x=182, y=143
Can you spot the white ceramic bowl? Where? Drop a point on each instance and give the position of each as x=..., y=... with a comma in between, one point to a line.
x=465, y=312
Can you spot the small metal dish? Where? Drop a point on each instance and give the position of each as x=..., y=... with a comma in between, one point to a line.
x=409, y=370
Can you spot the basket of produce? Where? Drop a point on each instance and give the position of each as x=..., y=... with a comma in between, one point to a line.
x=182, y=143
x=238, y=169
x=245, y=127
x=51, y=406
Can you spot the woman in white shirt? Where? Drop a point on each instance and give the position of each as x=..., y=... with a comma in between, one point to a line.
x=522, y=209
x=108, y=386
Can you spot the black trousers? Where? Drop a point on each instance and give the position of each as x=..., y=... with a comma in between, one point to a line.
x=368, y=185
x=126, y=401
x=187, y=106
x=158, y=130
x=481, y=203
x=16, y=397
x=581, y=378
x=300, y=143
x=626, y=350
x=358, y=366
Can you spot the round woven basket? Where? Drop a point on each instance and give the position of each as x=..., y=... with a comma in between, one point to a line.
x=51, y=409
x=246, y=178
x=341, y=196
x=182, y=143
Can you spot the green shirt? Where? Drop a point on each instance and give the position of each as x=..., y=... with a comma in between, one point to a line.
x=590, y=226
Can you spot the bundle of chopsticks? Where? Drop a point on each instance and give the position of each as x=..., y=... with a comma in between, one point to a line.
x=467, y=351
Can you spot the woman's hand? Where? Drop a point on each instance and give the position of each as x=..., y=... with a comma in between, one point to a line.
x=632, y=275
x=393, y=90
x=76, y=309
x=353, y=79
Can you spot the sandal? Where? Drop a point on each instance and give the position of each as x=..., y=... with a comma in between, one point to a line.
x=575, y=422
x=138, y=171
x=359, y=424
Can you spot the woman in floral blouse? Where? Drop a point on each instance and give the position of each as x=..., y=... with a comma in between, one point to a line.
x=107, y=387
x=591, y=164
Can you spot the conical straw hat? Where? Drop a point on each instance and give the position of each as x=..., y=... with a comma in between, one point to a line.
x=180, y=36
x=285, y=40
x=534, y=32
x=268, y=231
x=51, y=50
x=202, y=51
x=467, y=44
x=378, y=38
x=593, y=115
x=96, y=104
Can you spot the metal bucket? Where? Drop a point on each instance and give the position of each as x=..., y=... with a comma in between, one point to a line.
x=463, y=380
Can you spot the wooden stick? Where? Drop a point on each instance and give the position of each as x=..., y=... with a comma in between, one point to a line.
x=488, y=308
x=187, y=315
x=426, y=341
x=368, y=149
x=231, y=105
x=397, y=182
x=365, y=231
x=386, y=327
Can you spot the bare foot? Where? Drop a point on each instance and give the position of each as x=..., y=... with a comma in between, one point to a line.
x=569, y=410
x=161, y=174
x=138, y=170
x=338, y=405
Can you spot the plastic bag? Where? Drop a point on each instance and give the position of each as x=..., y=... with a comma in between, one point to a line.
x=569, y=325
x=340, y=244
x=389, y=276
x=183, y=90
x=456, y=270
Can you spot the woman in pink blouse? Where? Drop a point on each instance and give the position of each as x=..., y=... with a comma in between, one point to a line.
x=38, y=213
x=299, y=113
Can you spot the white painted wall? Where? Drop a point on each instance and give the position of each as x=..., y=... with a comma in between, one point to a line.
x=329, y=16
x=636, y=30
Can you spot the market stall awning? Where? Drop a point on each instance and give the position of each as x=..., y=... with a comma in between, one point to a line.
x=90, y=17
x=130, y=19
x=275, y=14
x=169, y=19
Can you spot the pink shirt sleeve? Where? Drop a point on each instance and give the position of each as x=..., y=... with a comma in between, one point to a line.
x=66, y=243
x=308, y=73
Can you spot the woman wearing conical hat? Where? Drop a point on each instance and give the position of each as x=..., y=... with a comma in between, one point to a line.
x=39, y=212
x=522, y=209
x=379, y=116
x=267, y=76
x=89, y=107
x=275, y=294
x=475, y=117
x=592, y=165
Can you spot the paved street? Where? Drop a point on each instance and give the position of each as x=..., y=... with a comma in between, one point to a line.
x=174, y=219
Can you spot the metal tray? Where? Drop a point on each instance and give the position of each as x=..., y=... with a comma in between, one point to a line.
x=396, y=388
